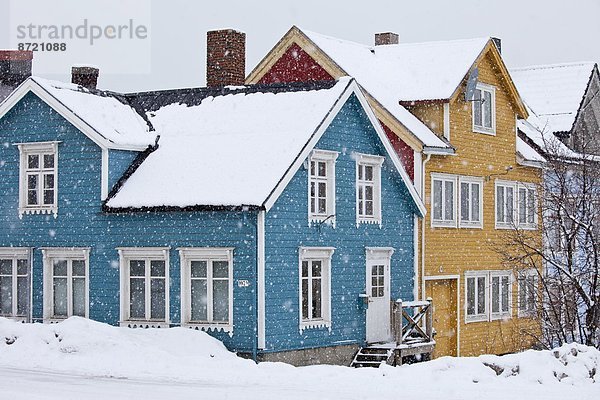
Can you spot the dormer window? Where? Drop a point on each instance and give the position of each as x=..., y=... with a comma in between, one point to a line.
x=38, y=178
x=484, y=109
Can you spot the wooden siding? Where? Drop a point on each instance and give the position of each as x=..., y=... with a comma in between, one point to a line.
x=118, y=162
x=452, y=251
x=81, y=224
x=287, y=228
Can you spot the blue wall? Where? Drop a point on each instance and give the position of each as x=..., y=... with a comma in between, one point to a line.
x=80, y=222
x=287, y=228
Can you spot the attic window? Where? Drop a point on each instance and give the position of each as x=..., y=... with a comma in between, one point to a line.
x=38, y=178
x=484, y=109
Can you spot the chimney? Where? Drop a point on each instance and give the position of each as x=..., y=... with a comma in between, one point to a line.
x=85, y=76
x=15, y=66
x=386, y=38
x=225, y=58
x=498, y=43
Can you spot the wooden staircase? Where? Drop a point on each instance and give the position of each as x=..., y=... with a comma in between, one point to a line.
x=373, y=356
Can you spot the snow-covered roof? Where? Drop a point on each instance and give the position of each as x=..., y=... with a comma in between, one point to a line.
x=554, y=92
x=228, y=150
x=528, y=153
x=535, y=130
x=114, y=120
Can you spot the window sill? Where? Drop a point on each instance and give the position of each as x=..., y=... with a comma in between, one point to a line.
x=144, y=324
x=500, y=317
x=527, y=314
x=207, y=327
x=315, y=324
x=485, y=131
x=467, y=225
x=38, y=210
x=319, y=219
x=443, y=224
x=476, y=318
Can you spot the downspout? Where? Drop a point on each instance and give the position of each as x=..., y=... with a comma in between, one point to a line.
x=423, y=179
x=259, y=320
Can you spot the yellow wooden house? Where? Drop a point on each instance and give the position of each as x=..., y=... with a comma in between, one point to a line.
x=451, y=110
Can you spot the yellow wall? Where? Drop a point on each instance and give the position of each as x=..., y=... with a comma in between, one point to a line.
x=452, y=251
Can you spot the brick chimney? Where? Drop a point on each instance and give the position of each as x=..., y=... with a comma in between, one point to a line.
x=85, y=76
x=15, y=67
x=225, y=58
x=386, y=38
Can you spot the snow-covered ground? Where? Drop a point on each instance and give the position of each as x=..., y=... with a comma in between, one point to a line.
x=82, y=359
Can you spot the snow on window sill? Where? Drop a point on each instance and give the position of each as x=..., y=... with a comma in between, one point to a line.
x=484, y=130
x=210, y=327
x=476, y=318
x=526, y=314
x=500, y=316
x=315, y=324
x=38, y=210
x=443, y=224
x=470, y=225
x=145, y=324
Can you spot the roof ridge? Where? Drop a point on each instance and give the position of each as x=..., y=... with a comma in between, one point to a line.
x=554, y=65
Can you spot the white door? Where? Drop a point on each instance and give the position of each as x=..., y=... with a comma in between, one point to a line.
x=378, y=291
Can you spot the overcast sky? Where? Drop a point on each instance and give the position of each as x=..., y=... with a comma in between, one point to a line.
x=173, y=55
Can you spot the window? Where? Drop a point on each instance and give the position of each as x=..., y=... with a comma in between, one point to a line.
x=527, y=293
x=527, y=207
x=14, y=282
x=484, y=109
x=207, y=288
x=315, y=267
x=65, y=282
x=476, y=296
x=443, y=189
x=501, y=294
x=471, y=202
x=321, y=186
x=144, y=286
x=38, y=178
x=368, y=188
x=516, y=205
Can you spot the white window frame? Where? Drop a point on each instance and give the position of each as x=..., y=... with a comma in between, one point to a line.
x=186, y=256
x=41, y=149
x=69, y=253
x=511, y=223
x=500, y=314
x=482, y=128
x=470, y=180
x=323, y=254
x=376, y=162
x=147, y=254
x=329, y=158
x=475, y=275
x=522, y=277
x=444, y=223
x=516, y=222
x=528, y=187
x=14, y=254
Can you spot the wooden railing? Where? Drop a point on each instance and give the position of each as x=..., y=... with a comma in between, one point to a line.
x=412, y=322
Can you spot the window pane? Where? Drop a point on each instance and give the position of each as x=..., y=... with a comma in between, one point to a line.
x=522, y=294
x=198, y=269
x=79, y=297
x=500, y=204
x=531, y=290
x=477, y=108
x=361, y=169
x=316, y=298
x=505, y=289
x=5, y=295
x=221, y=301
x=48, y=160
x=60, y=297
x=137, y=302
x=48, y=197
x=481, y=295
x=199, y=301
x=157, y=299
x=312, y=168
x=305, y=299
x=33, y=161
x=22, y=267
x=470, y=296
x=322, y=168
x=157, y=268
x=475, y=202
x=368, y=173
x=316, y=268
x=48, y=181
x=137, y=268
x=530, y=206
x=464, y=202
x=32, y=183
x=60, y=267
x=368, y=192
x=78, y=268
x=495, y=294
x=509, y=204
x=369, y=207
x=522, y=205
x=5, y=267
x=22, y=296
x=449, y=201
x=220, y=269
x=487, y=105
x=304, y=269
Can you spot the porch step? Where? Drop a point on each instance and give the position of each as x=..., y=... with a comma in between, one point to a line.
x=373, y=356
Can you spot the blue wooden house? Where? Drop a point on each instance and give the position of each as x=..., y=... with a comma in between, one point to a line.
x=277, y=218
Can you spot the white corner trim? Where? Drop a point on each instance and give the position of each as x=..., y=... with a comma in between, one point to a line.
x=447, y=121
x=104, y=175
x=260, y=255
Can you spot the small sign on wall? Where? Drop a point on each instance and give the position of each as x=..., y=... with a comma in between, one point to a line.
x=243, y=283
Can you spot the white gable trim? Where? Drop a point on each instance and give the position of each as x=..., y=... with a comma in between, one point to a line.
x=31, y=86
x=351, y=88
